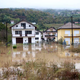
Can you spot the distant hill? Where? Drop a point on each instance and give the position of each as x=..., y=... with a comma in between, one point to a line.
x=40, y=16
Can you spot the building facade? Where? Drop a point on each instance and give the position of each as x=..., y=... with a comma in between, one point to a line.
x=49, y=33
x=25, y=32
x=67, y=32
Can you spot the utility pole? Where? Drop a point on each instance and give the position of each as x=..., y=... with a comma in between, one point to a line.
x=6, y=34
x=72, y=28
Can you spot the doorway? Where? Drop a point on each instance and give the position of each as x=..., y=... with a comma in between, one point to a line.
x=29, y=40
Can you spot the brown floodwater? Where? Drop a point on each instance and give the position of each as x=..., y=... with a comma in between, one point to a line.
x=47, y=52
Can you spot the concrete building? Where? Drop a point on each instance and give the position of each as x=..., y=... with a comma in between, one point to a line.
x=25, y=32
x=12, y=22
x=49, y=33
x=65, y=32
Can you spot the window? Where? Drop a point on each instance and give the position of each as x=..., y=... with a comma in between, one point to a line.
x=16, y=25
x=76, y=33
x=23, y=25
x=36, y=38
x=18, y=32
x=37, y=33
x=67, y=33
x=28, y=32
x=29, y=25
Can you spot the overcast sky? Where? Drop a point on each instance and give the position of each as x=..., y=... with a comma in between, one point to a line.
x=53, y=4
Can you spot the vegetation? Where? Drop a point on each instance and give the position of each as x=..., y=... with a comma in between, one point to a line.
x=60, y=41
x=40, y=71
x=75, y=49
x=41, y=17
x=14, y=47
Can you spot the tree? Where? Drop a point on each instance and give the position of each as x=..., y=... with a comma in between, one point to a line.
x=2, y=27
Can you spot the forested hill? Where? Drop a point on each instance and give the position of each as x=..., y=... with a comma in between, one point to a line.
x=29, y=15
x=41, y=16
x=38, y=16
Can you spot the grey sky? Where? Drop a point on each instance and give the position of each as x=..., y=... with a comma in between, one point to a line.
x=54, y=4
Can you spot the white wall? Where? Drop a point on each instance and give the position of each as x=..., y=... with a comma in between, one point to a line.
x=27, y=25
x=33, y=39
x=38, y=36
x=44, y=33
x=13, y=41
x=25, y=40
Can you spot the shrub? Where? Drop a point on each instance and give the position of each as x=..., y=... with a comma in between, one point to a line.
x=60, y=41
x=72, y=49
x=14, y=47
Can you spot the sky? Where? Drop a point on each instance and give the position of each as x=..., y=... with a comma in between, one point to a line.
x=41, y=4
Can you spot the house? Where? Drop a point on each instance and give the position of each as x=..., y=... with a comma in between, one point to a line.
x=12, y=22
x=49, y=33
x=34, y=23
x=25, y=32
x=65, y=32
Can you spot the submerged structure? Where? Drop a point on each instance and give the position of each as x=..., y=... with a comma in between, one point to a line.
x=25, y=32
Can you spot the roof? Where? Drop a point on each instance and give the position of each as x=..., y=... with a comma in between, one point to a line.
x=68, y=26
x=49, y=28
x=39, y=31
x=21, y=21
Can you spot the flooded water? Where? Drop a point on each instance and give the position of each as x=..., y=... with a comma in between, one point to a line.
x=12, y=61
x=48, y=52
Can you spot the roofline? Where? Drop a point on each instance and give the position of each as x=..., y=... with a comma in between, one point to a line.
x=39, y=31
x=21, y=21
x=49, y=28
x=68, y=28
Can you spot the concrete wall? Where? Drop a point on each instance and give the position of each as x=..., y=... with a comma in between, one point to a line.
x=38, y=36
x=25, y=40
x=33, y=39
x=13, y=41
x=76, y=34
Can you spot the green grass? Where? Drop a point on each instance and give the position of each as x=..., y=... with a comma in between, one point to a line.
x=53, y=25
x=56, y=26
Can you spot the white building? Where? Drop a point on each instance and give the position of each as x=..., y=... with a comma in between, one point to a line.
x=49, y=33
x=25, y=32
x=12, y=22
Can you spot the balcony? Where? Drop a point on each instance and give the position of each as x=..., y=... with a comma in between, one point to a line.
x=23, y=35
x=49, y=35
x=16, y=35
x=30, y=35
x=74, y=35
x=18, y=27
x=28, y=28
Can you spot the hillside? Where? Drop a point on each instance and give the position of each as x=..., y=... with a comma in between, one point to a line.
x=43, y=17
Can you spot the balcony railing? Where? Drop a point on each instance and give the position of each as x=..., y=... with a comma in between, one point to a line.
x=30, y=35
x=23, y=35
x=29, y=28
x=74, y=35
x=18, y=27
x=49, y=35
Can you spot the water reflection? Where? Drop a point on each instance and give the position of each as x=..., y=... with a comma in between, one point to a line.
x=50, y=52
x=28, y=53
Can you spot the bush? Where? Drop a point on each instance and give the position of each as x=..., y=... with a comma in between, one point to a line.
x=72, y=49
x=14, y=47
x=60, y=41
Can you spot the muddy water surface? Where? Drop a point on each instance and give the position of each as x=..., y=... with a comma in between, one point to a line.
x=48, y=52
